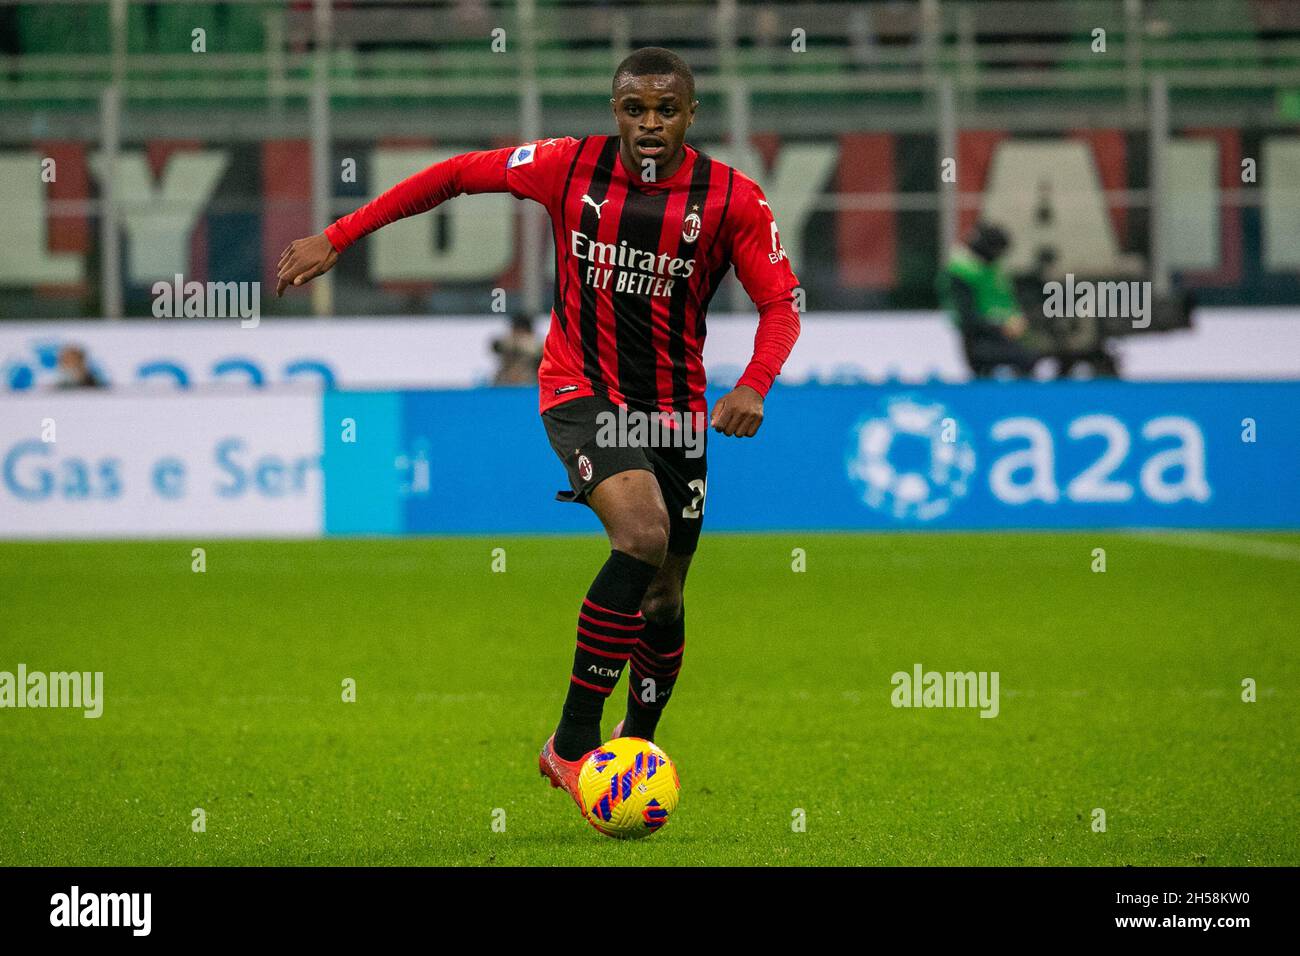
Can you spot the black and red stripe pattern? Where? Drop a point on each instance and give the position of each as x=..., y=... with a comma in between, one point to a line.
x=656, y=662
x=609, y=626
x=606, y=640
x=636, y=264
x=659, y=668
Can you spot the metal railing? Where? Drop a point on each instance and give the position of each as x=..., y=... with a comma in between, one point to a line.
x=848, y=47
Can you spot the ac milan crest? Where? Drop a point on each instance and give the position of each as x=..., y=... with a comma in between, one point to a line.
x=691, y=227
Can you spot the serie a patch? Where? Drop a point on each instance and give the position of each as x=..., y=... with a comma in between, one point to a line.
x=522, y=155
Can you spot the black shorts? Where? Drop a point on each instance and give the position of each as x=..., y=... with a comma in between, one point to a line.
x=588, y=436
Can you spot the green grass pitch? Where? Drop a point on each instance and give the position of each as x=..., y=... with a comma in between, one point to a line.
x=1119, y=690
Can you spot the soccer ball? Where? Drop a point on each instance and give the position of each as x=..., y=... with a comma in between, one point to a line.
x=628, y=787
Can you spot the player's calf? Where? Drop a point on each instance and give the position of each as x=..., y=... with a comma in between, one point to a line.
x=609, y=626
x=655, y=663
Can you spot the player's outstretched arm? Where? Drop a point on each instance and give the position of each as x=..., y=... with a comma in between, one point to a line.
x=527, y=171
x=304, y=260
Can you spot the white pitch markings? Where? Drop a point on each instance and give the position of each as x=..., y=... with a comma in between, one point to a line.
x=1226, y=543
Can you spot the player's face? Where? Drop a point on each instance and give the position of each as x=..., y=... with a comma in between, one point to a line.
x=653, y=114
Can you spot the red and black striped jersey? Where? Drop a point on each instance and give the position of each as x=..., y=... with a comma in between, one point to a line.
x=636, y=263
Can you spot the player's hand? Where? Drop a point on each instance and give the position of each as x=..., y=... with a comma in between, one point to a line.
x=303, y=261
x=738, y=413
x=1015, y=327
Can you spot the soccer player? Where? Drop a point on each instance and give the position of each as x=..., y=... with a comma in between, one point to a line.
x=645, y=228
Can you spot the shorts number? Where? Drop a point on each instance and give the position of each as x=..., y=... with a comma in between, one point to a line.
x=693, y=510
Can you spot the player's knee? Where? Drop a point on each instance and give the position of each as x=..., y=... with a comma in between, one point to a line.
x=647, y=542
x=662, y=605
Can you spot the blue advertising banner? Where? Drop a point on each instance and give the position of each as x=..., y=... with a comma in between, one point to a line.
x=980, y=455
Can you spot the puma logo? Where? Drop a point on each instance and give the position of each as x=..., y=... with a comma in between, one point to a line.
x=593, y=204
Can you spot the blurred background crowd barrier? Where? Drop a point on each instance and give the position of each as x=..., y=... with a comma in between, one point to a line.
x=1124, y=141
x=141, y=140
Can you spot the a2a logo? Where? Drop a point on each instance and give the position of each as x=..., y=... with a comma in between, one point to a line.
x=904, y=463
x=1173, y=473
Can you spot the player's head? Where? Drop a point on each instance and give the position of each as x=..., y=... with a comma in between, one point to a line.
x=988, y=241
x=72, y=358
x=654, y=100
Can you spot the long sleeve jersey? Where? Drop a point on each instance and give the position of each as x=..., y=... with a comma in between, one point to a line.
x=636, y=263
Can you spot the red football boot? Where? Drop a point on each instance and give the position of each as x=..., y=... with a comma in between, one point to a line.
x=562, y=773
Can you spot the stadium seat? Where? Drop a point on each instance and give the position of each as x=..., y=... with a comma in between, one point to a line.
x=245, y=27
x=55, y=28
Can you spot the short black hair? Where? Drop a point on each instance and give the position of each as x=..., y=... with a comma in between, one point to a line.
x=657, y=61
x=988, y=240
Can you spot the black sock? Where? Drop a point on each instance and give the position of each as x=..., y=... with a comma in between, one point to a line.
x=656, y=661
x=609, y=626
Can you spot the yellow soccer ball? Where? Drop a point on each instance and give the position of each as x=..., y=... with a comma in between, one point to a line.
x=629, y=788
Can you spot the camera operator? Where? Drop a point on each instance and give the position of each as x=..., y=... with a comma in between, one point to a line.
x=978, y=295
x=520, y=351
x=75, y=370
